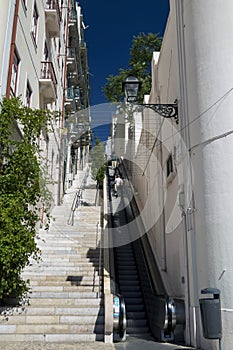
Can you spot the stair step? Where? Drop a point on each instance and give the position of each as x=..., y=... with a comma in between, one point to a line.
x=51, y=338
x=59, y=302
x=50, y=328
x=72, y=279
x=53, y=319
x=46, y=273
x=47, y=267
x=68, y=288
x=61, y=295
x=65, y=311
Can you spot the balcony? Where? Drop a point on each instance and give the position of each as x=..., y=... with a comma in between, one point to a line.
x=48, y=82
x=73, y=78
x=53, y=17
x=71, y=60
x=72, y=93
x=73, y=16
x=72, y=99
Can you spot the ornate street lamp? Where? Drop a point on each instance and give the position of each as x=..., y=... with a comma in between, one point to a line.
x=131, y=86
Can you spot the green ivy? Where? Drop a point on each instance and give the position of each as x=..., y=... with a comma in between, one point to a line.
x=22, y=190
x=98, y=167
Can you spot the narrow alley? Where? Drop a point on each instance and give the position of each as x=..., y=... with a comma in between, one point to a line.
x=65, y=309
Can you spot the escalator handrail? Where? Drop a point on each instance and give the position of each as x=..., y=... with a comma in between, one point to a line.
x=170, y=307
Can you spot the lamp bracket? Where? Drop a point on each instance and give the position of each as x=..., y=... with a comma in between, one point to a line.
x=165, y=110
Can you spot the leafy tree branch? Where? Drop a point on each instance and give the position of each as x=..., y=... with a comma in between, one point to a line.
x=139, y=65
x=22, y=191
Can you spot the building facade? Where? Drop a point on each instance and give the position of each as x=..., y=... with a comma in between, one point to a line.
x=43, y=59
x=181, y=172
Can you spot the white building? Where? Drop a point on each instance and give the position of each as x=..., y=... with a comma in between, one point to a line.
x=40, y=45
x=185, y=183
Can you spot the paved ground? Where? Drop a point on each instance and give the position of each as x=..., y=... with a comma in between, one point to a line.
x=130, y=344
x=55, y=346
x=141, y=344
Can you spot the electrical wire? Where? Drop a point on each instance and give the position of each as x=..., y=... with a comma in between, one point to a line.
x=187, y=125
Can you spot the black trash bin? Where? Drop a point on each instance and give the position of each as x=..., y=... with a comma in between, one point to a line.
x=211, y=314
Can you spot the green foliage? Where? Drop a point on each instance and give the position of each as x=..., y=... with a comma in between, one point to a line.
x=98, y=167
x=22, y=188
x=139, y=65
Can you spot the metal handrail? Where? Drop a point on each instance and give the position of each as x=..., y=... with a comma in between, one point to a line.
x=119, y=317
x=169, y=311
x=99, y=245
x=77, y=199
x=75, y=205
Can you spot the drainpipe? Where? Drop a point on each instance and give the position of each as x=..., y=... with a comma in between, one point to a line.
x=12, y=49
x=63, y=107
x=191, y=280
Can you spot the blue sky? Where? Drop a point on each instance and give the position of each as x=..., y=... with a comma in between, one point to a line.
x=112, y=25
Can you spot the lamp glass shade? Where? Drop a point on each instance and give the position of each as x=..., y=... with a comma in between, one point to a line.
x=131, y=88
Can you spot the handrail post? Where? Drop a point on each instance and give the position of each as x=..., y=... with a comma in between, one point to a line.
x=108, y=297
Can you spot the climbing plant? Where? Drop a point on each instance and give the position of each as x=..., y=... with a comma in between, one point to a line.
x=22, y=191
x=98, y=167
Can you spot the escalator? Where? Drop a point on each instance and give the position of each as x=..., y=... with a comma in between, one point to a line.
x=150, y=312
x=130, y=288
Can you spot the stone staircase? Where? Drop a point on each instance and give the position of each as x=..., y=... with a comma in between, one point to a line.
x=65, y=300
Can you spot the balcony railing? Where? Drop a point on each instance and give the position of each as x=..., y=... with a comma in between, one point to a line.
x=53, y=17
x=72, y=65
x=72, y=93
x=48, y=81
x=71, y=52
x=73, y=15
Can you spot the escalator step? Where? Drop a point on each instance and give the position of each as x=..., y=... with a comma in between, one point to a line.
x=128, y=280
x=125, y=256
x=134, y=301
x=131, y=323
x=124, y=267
x=137, y=330
x=130, y=288
x=125, y=281
x=132, y=294
x=135, y=308
x=128, y=272
x=136, y=315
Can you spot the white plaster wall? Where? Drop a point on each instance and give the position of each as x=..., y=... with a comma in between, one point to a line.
x=208, y=35
x=167, y=238
x=120, y=138
x=6, y=23
x=31, y=56
x=194, y=251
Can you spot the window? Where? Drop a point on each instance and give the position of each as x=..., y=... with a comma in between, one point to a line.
x=35, y=20
x=169, y=165
x=15, y=73
x=46, y=52
x=24, y=4
x=59, y=53
x=28, y=94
